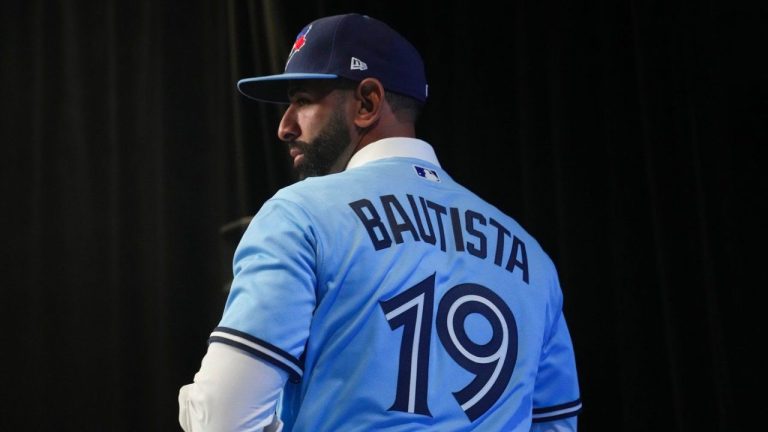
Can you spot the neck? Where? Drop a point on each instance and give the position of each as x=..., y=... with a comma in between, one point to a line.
x=406, y=130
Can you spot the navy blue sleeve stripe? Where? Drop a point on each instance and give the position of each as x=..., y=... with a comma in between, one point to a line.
x=259, y=348
x=557, y=412
x=292, y=373
x=557, y=407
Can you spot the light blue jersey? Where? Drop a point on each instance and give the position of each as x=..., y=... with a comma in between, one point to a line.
x=398, y=300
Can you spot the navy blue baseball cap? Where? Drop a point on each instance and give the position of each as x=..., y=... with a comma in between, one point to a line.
x=350, y=46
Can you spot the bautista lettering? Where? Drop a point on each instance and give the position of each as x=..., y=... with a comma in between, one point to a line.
x=391, y=221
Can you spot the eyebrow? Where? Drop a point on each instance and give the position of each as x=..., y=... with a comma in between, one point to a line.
x=295, y=89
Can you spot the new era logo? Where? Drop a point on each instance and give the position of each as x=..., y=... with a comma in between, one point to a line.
x=426, y=173
x=357, y=64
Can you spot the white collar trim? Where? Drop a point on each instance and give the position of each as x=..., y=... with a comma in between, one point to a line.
x=394, y=147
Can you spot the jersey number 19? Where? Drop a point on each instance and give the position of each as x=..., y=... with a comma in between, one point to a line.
x=491, y=362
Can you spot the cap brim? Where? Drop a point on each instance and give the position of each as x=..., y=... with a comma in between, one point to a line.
x=274, y=88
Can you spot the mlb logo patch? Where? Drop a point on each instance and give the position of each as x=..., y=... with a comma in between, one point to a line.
x=426, y=173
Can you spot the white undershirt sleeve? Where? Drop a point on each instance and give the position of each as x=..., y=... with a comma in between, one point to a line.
x=233, y=391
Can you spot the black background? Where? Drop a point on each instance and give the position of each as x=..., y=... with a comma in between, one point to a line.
x=627, y=136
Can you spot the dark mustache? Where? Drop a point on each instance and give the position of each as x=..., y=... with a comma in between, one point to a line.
x=301, y=145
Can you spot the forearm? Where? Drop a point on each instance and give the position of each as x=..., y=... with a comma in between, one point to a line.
x=233, y=391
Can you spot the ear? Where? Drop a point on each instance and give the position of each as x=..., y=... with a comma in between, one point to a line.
x=369, y=96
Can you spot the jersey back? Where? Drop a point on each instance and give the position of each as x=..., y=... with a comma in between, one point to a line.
x=399, y=300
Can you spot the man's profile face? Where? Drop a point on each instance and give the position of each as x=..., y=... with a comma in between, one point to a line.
x=318, y=156
x=315, y=128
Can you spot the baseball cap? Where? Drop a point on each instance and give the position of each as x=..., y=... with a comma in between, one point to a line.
x=351, y=46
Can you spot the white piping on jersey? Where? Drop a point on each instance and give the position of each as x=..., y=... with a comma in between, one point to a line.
x=260, y=348
x=394, y=147
x=558, y=412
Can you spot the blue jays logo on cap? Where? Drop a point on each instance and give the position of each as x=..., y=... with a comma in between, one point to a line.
x=350, y=46
x=427, y=173
x=301, y=40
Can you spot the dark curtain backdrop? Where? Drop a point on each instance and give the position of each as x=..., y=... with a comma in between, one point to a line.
x=623, y=134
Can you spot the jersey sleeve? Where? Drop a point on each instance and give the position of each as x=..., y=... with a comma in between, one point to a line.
x=568, y=424
x=272, y=297
x=556, y=392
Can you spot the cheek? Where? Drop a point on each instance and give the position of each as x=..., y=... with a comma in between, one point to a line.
x=310, y=121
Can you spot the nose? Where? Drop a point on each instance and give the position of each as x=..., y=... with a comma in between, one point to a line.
x=288, y=130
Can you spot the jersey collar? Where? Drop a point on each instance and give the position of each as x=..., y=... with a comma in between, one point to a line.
x=394, y=147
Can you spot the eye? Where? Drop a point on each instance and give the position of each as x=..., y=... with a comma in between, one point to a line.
x=300, y=99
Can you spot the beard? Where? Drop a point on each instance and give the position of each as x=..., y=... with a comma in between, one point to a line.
x=324, y=151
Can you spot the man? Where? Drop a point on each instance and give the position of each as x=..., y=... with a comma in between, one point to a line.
x=377, y=294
